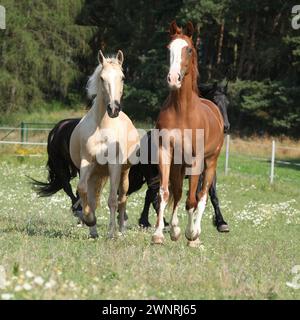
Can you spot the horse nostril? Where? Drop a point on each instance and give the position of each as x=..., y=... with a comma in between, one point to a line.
x=169, y=78
x=179, y=77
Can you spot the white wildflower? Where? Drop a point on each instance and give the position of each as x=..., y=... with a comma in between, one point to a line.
x=18, y=288
x=50, y=284
x=39, y=281
x=29, y=274
x=27, y=286
x=3, y=281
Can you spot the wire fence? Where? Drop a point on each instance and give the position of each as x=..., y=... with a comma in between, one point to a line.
x=35, y=134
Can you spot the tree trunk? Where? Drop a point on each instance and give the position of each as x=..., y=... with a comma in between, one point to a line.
x=220, y=45
x=252, y=48
x=235, y=47
x=243, y=50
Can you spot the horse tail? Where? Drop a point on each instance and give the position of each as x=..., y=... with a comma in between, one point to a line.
x=54, y=184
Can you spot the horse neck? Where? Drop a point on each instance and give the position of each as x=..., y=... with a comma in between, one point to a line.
x=98, y=109
x=181, y=99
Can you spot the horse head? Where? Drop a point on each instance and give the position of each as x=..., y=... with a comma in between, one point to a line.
x=183, y=56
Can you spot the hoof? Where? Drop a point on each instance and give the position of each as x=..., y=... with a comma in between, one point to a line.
x=93, y=236
x=80, y=223
x=223, y=228
x=194, y=244
x=175, y=233
x=191, y=236
x=89, y=222
x=144, y=224
x=157, y=239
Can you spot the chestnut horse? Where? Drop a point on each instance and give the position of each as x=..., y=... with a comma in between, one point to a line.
x=184, y=109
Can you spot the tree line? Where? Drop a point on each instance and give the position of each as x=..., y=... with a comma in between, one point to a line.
x=49, y=48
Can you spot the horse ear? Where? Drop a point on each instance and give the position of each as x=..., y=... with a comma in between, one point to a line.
x=174, y=29
x=190, y=29
x=120, y=57
x=101, y=57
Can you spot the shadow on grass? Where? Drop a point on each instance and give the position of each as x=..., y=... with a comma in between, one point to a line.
x=34, y=231
x=288, y=163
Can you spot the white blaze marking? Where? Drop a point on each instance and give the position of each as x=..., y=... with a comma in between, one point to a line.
x=112, y=79
x=175, y=54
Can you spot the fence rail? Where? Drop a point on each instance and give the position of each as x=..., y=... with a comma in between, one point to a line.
x=25, y=127
x=22, y=130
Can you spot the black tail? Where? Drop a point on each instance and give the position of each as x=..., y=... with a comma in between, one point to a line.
x=54, y=184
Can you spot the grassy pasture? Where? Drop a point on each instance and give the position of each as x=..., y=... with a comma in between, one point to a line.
x=46, y=256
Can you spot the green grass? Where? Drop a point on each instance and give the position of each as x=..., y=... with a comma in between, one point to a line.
x=52, y=113
x=49, y=113
x=253, y=261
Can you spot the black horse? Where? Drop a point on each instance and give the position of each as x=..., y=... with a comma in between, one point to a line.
x=59, y=165
x=61, y=169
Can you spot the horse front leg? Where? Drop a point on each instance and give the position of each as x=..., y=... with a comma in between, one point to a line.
x=123, y=189
x=114, y=177
x=86, y=168
x=164, y=168
x=191, y=232
x=176, y=182
x=208, y=177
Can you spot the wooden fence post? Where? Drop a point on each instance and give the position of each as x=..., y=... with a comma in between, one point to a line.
x=227, y=154
x=272, y=162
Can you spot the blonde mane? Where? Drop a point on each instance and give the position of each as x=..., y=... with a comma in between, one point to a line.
x=93, y=84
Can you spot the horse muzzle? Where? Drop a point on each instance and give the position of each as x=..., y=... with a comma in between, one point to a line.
x=174, y=80
x=113, y=109
x=226, y=127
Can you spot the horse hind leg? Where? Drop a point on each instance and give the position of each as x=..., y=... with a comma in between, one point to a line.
x=219, y=221
x=144, y=218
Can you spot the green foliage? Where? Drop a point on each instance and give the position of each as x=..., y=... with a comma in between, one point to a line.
x=39, y=51
x=268, y=106
x=50, y=47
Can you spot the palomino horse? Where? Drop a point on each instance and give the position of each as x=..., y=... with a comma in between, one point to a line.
x=184, y=109
x=104, y=129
